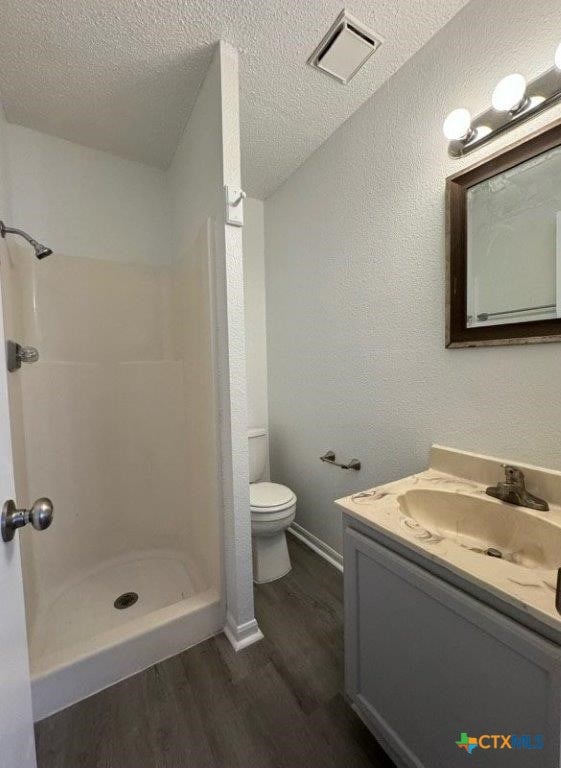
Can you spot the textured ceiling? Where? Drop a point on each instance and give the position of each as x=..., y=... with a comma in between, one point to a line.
x=121, y=75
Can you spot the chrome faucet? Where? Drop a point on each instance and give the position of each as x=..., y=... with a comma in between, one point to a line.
x=513, y=490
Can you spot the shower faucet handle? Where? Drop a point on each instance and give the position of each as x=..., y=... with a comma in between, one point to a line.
x=28, y=354
x=40, y=516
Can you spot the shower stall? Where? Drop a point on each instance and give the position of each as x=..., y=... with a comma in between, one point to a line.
x=116, y=428
x=118, y=421
x=115, y=424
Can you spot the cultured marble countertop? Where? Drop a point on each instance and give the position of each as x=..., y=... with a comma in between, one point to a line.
x=531, y=590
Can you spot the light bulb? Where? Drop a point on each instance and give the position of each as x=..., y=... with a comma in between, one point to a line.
x=508, y=95
x=457, y=125
x=558, y=56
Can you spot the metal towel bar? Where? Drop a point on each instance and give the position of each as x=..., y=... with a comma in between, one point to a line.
x=330, y=457
x=487, y=315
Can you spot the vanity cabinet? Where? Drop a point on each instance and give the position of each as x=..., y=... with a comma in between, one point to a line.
x=425, y=662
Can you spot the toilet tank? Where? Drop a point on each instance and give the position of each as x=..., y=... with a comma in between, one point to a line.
x=257, y=453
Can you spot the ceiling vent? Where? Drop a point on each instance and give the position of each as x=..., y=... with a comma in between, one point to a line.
x=345, y=48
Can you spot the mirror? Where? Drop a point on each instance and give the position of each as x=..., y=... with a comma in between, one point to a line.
x=504, y=246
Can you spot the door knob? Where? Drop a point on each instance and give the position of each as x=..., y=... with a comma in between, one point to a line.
x=40, y=516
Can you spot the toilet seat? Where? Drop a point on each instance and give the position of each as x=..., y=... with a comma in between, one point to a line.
x=268, y=498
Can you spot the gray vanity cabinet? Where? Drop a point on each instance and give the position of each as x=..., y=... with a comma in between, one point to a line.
x=426, y=662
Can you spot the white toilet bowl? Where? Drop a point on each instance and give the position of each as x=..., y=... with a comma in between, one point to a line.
x=273, y=507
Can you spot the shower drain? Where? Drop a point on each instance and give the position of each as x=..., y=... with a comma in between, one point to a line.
x=125, y=600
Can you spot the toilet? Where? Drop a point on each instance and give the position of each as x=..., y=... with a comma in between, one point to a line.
x=273, y=507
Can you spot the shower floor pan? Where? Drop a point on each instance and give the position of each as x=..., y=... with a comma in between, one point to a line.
x=81, y=643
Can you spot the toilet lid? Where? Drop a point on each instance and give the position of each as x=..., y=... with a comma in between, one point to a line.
x=269, y=495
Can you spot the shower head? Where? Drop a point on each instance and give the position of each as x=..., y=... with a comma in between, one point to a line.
x=40, y=250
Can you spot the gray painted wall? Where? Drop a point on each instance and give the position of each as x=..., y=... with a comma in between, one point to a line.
x=355, y=284
x=255, y=314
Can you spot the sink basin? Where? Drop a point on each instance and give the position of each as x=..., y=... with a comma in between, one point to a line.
x=480, y=524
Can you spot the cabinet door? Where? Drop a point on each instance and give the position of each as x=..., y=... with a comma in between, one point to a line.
x=426, y=662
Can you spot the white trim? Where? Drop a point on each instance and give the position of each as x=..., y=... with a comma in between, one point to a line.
x=322, y=549
x=558, y=264
x=242, y=635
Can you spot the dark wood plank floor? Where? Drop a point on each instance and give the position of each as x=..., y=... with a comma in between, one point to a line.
x=277, y=704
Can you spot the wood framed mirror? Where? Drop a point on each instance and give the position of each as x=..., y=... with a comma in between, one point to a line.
x=503, y=246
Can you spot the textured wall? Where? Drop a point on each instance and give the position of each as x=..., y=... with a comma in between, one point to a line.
x=195, y=174
x=207, y=158
x=355, y=284
x=241, y=626
x=255, y=314
x=83, y=202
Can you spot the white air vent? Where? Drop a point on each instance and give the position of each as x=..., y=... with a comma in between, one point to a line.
x=345, y=48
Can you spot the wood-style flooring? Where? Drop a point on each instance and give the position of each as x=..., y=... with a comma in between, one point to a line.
x=277, y=704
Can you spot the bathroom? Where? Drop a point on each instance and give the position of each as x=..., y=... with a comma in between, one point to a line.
x=255, y=244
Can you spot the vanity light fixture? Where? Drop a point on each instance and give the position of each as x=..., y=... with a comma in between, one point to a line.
x=510, y=94
x=513, y=101
x=457, y=126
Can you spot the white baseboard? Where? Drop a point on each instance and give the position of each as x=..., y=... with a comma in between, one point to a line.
x=319, y=547
x=242, y=635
